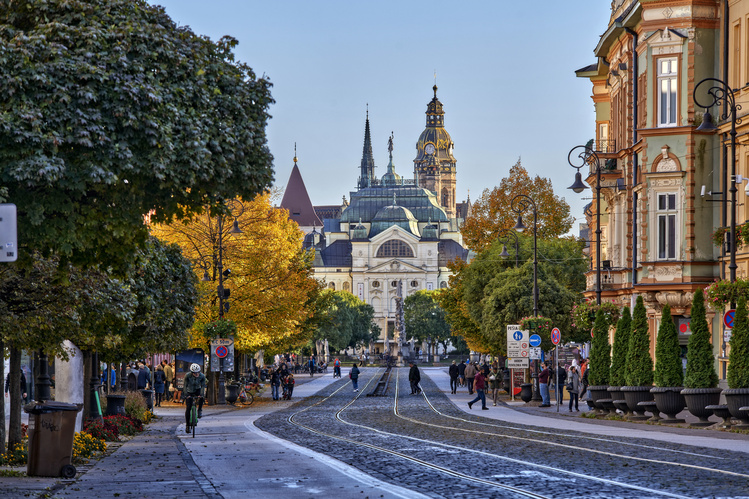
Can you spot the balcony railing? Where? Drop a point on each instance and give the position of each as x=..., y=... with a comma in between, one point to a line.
x=605, y=146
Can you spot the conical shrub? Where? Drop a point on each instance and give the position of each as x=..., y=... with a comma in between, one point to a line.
x=738, y=359
x=600, y=352
x=639, y=364
x=700, y=359
x=621, y=345
x=668, y=370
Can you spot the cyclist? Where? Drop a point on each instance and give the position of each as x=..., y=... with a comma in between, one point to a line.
x=194, y=386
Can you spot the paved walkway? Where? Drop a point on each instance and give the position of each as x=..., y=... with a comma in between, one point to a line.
x=164, y=462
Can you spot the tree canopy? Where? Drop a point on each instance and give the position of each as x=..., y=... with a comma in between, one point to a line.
x=492, y=212
x=266, y=271
x=425, y=318
x=490, y=292
x=346, y=321
x=109, y=111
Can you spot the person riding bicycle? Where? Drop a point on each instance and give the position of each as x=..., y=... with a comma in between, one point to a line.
x=194, y=386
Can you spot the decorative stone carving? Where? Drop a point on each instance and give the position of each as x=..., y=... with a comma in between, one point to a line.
x=651, y=302
x=666, y=164
x=395, y=266
x=668, y=272
x=665, y=182
x=678, y=301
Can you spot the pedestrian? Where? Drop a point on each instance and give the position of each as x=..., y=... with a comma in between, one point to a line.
x=354, y=375
x=479, y=383
x=21, y=384
x=275, y=382
x=585, y=379
x=543, y=385
x=560, y=382
x=159, y=382
x=169, y=377
x=454, y=373
x=470, y=375
x=337, y=368
x=288, y=386
x=495, y=383
x=311, y=365
x=414, y=377
x=144, y=376
x=573, y=386
x=462, y=373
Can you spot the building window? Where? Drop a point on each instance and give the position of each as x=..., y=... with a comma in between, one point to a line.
x=414, y=284
x=666, y=226
x=394, y=248
x=332, y=286
x=375, y=284
x=668, y=73
x=346, y=286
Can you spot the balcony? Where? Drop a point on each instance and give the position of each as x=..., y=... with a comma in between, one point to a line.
x=607, y=146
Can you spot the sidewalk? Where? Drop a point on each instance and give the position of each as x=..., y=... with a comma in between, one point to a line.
x=518, y=412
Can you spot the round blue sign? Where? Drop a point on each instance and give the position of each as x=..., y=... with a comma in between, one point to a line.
x=518, y=335
x=535, y=340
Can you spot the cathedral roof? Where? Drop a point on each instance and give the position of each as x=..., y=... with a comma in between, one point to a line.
x=366, y=203
x=441, y=148
x=296, y=200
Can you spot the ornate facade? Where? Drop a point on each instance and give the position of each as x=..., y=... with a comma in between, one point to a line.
x=395, y=236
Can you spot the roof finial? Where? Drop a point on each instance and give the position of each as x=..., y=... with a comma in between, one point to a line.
x=295, y=158
x=367, y=110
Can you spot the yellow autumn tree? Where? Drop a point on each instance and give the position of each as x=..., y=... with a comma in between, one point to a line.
x=492, y=212
x=268, y=274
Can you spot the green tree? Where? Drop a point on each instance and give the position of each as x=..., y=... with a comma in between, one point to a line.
x=425, y=319
x=621, y=345
x=639, y=363
x=346, y=322
x=700, y=360
x=600, y=352
x=668, y=371
x=110, y=111
x=738, y=365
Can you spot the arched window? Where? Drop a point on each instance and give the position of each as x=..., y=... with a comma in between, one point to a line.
x=445, y=197
x=346, y=286
x=332, y=286
x=396, y=248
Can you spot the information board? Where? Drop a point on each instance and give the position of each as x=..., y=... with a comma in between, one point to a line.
x=222, y=348
x=517, y=342
x=521, y=363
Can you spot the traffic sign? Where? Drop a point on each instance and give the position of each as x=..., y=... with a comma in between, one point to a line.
x=535, y=340
x=535, y=353
x=222, y=352
x=223, y=346
x=556, y=336
x=728, y=318
x=517, y=341
x=518, y=363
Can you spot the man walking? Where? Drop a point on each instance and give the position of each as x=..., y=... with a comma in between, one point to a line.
x=454, y=373
x=414, y=377
x=479, y=384
x=462, y=373
x=169, y=373
x=470, y=375
x=543, y=386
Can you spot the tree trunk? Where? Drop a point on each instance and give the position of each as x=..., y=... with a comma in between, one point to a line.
x=2, y=406
x=86, y=386
x=14, y=427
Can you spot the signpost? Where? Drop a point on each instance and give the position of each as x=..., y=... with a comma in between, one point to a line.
x=222, y=355
x=556, y=337
x=517, y=351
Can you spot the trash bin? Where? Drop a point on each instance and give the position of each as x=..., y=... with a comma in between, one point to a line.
x=148, y=396
x=51, y=433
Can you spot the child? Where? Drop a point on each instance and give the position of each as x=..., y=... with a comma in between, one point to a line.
x=288, y=386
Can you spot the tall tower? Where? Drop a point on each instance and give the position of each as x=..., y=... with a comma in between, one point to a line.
x=367, y=159
x=434, y=166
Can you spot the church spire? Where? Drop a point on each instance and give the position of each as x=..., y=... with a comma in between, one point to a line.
x=367, y=159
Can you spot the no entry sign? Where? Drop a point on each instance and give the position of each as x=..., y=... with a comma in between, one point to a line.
x=556, y=336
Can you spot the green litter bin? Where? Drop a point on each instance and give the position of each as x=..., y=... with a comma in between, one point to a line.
x=51, y=434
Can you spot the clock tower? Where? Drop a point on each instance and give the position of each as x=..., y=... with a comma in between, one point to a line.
x=434, y=166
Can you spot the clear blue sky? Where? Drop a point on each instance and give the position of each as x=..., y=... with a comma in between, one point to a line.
x=505, y=72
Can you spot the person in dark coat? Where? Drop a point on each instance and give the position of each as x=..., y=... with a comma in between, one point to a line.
x=462, y=373
x=562, y=373
x=22, y=385
x=414, y=377
x=454, y=373
x=159, y=384
x=144, y=376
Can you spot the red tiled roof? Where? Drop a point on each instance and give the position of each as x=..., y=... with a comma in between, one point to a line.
x=296, y=200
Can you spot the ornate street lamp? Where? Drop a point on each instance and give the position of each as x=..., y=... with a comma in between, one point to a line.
x=721, y=92
x=585, y=155
x=520, y=204
x=505, y=235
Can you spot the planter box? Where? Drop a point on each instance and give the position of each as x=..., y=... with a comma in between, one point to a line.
x=634, y=395
x=598, y=392
x=736, y=398
x=697, y=400
x=669, y=401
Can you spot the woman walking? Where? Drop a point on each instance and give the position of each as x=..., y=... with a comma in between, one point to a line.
x=159, y=383
x=573, y=386
x=354, y=375
x=495, y=382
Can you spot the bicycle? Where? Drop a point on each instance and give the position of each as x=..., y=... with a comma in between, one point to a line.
x=192, y=420
x=247, y=391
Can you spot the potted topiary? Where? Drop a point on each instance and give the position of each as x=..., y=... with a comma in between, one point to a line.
x=668, y=374
x=600, y=361
x=701, y=380
x=639, y=367
x=619, y=358
x=737, y=394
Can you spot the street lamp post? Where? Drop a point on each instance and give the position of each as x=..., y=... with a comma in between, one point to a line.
x=520, y=204
x=585, y=156
x=721, y=92
x=505, y=235
x=235, y=209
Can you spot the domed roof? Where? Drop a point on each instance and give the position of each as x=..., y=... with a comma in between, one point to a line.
x=390, y=215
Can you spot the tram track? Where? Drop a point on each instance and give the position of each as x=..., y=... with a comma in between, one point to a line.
x=357, y=441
